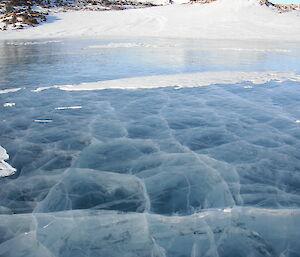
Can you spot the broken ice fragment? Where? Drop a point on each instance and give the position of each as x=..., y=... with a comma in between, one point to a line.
x=43, y=121
x=68, y=108
x=9, y=104
x=5, y=168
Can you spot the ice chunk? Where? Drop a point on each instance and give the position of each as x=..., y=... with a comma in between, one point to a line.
x=3, y=154
x=239, y=232
x=68, y=108
x=9, y=104
x=5, y=168
x=83, y=233
x=43, y=120
x=115, y=155
x=22, y=194
x=85, y=189
x=77, y=233
x=181, y=183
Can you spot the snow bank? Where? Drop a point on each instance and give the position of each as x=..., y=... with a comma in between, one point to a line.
x=223, y=19
x=182, y=80
x=5, y=168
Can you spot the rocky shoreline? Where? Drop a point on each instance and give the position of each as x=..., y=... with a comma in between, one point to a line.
x=18, y=14
x=281, y=7
x=22, y=18
x=21, y=14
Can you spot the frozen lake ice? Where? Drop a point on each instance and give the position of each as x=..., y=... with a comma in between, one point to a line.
x=202, y=171
x=41, y=63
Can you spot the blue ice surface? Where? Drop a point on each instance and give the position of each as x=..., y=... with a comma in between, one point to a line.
x=32, y=64
x=208, y=171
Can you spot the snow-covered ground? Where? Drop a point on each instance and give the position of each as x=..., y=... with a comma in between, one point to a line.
x=223, y=19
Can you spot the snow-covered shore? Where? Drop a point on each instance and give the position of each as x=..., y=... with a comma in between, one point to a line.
x=223, y=19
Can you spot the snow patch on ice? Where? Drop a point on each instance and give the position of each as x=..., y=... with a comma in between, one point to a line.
x=255, y=50
x=121, y=45
x=33, y=43
x=181, y=80
x=9, y=90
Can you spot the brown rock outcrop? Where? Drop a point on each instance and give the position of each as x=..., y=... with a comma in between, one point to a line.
x=281, y=7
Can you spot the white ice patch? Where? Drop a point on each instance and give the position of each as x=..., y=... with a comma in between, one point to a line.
x=228, y=210
x=5, y=168
x=69, y=108
x=255, y=50
x=297, y=121
x=182, y=80
x=33, y=43
x=121, y=45
x=10, y=90
x=9, y=104
x=43, y=121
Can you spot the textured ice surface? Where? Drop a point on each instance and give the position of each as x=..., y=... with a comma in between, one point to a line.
x=85, y=189
x=155, y=172
x=229, y=232
x=209, y=171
